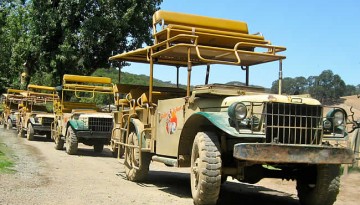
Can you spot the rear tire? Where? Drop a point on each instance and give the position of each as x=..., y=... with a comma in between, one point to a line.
x=115, y=150
x=205, y=176
x=98, y=148
x=21, y=133
x=48, y=136
x=71, y=142
x=132, y=159
x=319, y=185
x=30, y=132
x=9, y=124
x=59, y=143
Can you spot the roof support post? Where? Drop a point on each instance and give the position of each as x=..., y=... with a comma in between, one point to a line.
x=189, y=72
x=151, y=77
x=177, y=76
x=207, y=74
x=280, y=76
x=247, y=75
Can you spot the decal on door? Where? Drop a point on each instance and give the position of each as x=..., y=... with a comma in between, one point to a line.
x=171, y=119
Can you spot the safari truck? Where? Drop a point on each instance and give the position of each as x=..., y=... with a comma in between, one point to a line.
x=36, y=113
x=223, y=130
x=78, y=116
x=11, y=101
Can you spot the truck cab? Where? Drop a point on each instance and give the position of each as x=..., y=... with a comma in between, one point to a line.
x=36, y=112
x=79, y=117
x=221, y=130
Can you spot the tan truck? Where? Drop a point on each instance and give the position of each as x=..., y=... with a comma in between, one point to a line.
x=79, y=118
x=36, y=113
x=224, y=130
x=11, y=101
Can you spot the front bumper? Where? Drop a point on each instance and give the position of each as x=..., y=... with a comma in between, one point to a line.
x=41, y=128
x=283, y=153
x=93, y=134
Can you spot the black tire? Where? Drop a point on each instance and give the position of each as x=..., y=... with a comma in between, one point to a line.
x=48, y=135
x=21, y=133
x=71, y=144
x=30, y=132
x=59, y=143
x=98, y=148
x=319, y=185
x=205, y=176
x=9, y=124
x=115, y=150
x=132, y=158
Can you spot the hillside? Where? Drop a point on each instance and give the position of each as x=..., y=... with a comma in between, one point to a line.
x=350, y=101
x=129, y=78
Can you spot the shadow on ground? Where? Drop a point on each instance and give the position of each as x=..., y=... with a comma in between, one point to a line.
x=178, y=184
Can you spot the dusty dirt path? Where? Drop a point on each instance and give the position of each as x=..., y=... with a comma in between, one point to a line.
x=48, y=176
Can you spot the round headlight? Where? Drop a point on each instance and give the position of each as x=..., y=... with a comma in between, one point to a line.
x=338, y=118
x=327, y=124
x=237, y=111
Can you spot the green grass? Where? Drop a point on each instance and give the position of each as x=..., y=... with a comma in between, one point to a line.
x=6, y=163
x=354, y=169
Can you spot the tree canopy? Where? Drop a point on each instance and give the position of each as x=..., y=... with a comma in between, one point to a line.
x=48, y=38
x=326, y=87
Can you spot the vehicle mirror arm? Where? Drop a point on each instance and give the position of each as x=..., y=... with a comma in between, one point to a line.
x=355, y=124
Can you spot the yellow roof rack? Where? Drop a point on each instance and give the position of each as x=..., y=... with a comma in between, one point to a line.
x=203, y=40
x=41, y=87
x=14, y=91
x=85, y=79
x=168, y=17
x=88, y=88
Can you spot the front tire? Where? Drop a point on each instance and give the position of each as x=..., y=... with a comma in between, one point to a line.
x=98, y=148
x=9, y=124
x=21, y=133
x=132, y=160
x=319, y=185
x=205, y=176
x=71, y=142
x=30, y=132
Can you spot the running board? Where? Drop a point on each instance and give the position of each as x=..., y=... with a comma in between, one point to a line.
x=167, y=161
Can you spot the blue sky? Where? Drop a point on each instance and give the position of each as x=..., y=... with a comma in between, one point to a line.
x=318, y=35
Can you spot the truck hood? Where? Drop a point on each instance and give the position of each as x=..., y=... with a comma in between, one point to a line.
x=49, y=115
x=96, y=114
x=294, y=99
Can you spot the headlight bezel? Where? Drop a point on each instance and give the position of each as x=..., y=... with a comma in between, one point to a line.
x=237, y=111
x=333, y=117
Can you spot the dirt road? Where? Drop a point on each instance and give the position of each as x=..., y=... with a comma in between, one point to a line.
x=48, y=176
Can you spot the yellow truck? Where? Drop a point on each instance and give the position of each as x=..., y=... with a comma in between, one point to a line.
x=36, y=113
x=11, y=101
x=224, y=130
x=79, y=118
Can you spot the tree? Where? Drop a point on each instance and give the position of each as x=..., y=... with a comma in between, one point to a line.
x=350, y=90
x=78, y=37
x=291, y=86
x=14, y=32
x=327, y=86
x=53, y=37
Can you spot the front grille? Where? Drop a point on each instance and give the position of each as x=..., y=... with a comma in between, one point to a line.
x=293, y=123
x=100, y=124
x=47, y=120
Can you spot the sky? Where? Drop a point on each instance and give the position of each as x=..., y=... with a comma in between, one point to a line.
x=319, y=35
